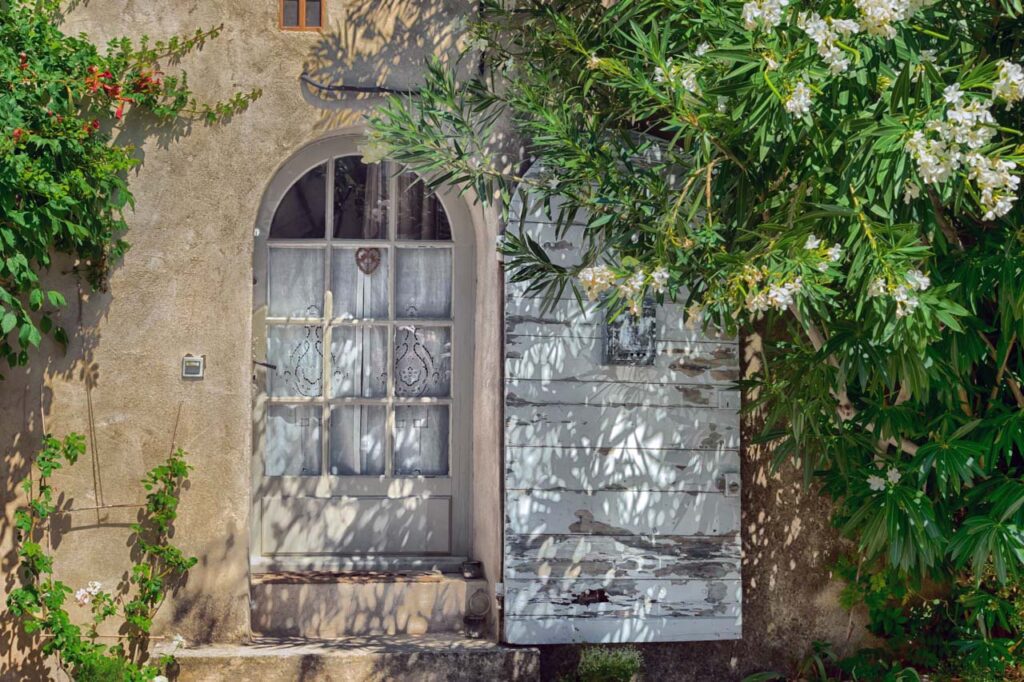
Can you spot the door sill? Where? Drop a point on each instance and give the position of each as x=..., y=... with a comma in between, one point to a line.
x=357, y=565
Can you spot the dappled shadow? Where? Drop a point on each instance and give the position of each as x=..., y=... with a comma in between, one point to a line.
x=378, y=46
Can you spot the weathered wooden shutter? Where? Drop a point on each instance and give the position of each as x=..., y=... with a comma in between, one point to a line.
x=622, y=505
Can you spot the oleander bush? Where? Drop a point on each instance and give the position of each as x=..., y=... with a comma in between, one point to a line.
x=843, y=173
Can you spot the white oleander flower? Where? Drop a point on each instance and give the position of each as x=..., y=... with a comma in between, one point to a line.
x=825, y=33
x=799, y=102
x=906, y=302
x=812, y=242
x=893, y=475
x=952, y=94
x=876, y=483
x=596, y=280
x=878, y=16
x=911, y=191
x=1009, y=87
x=634, y=285
x=917, y=280
x=702, y=49
x=936, y=160
x=659, y=278
x=723, y=108
x=770, y=63
x=996, y=183
x=877, y=287
x=764, y=14
x=94, y=587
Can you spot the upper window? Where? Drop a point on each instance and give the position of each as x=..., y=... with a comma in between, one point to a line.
x=302, y=15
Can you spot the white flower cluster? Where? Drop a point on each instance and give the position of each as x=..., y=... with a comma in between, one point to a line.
x=85, y=595
x=633, y=285
x=939, y=152
x=1009, y=87
x=596, y=280
x=825, y=33
x=906, y=301
x=878, y=16
x=373, y=150
x=832, y=254
x=659, y=278
x=877, y=483
x=998, y=184
x=676, y=73
x=778, y=296
x=764, y=13
x=799, y=102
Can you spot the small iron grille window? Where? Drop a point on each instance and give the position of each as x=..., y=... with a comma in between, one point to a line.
x=630, y=339
x=301, y=15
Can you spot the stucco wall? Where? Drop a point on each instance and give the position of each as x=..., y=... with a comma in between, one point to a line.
x=185, y=287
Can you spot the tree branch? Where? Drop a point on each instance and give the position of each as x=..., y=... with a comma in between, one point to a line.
x=940, y=216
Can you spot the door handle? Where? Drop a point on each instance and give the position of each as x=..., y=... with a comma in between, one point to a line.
x=264, y=364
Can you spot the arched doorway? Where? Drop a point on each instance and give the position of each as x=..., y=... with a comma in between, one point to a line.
x=362, y=349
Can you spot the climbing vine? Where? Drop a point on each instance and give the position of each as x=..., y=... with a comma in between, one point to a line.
x=40, y=603
x=63, y=187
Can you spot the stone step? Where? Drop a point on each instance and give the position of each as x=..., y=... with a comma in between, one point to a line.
x=403, y=658
x=332, y=605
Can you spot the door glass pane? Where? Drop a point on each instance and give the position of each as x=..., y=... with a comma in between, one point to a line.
x=359, y=357
x=302, y=213
x=360, y=199
x=423, y=283
x=359, y=283
x=357, y=440
x=421, y=440
x=423, y=357
x=297, y=351
x=296, y=283
x=293, y=440
x=420, y=214
x=312, y=12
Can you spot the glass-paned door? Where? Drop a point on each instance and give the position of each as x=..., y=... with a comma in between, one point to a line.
x=362, y=434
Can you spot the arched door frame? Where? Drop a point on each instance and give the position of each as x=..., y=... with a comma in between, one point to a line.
x=346, y=143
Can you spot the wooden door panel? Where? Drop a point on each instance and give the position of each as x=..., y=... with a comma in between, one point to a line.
x=349, y=525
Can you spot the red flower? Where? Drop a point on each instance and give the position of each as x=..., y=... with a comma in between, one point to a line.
x=23, y=58
x=18, y=132
x=119, y=113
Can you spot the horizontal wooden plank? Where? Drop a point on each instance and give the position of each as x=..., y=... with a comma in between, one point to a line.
x=349, y=525
x=539, y=393
x=591, y=426
x=590, y=469
x=538, y=210
x=623, y=598
x=532, y=630
x=556, y=358
x=531, y=512
x=565, y=318
x=622, y=556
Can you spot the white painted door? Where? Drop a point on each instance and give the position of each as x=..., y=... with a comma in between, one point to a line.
x=622, y=506
x=363, y=313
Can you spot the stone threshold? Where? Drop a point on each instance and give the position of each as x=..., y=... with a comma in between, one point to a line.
x=396, y=658
x=328, y=577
